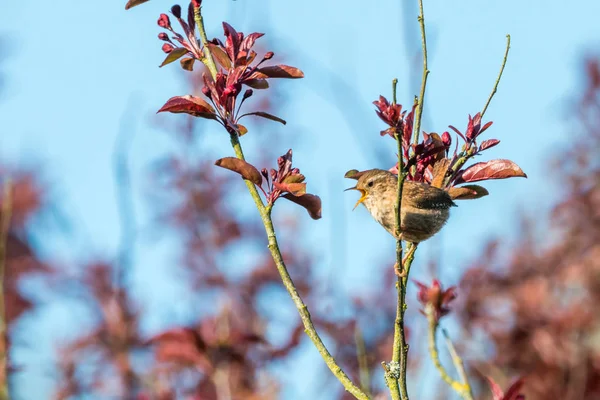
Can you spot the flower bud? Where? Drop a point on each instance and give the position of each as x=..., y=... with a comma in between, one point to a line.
x=163, y=36
x=164, y=21
x=446, y=139
x=206, y=91
x=269, y=55
x=176, y=10
x=167, y=48
x=197, y=3
x=247, y=93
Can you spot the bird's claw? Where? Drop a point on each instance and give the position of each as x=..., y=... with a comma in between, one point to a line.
x=400, y=272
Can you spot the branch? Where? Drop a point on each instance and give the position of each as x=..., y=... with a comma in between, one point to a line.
x=5, y=217
x=463, y=389
x=420, y=101
x=208, y=58
x=458, y=364
x=499, y=75
x=265, y=215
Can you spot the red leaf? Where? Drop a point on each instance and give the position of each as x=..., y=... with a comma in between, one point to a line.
x=174, y=56
x=278, y=71
x=187, y=63
x=249, y=40
x=467, y=192
x=246, y=170
x=513, y=391
x=486, y=144
x=133, y=3
x=497, y=392
x=241, y=129
x=232, y=44
x=309, y=201
x=494, y=169
x=189, y=105
x=266, y=115
x=297, y=189
x=220, y=55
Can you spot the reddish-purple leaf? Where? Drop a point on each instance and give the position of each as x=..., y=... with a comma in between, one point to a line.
x=266, y=115
x=220, y=55
x=309, y=201
x=296, y=178
x=246, y=170
x=467, y=192
x=189, y=105
x=494, y=169
x=232, y=44
x=187, y=63
x=278, y=71
x=497, y=392
x=297, y=189
x=486, y=144
x=133, y=3
x=457, y=132
x=249, y=40
x=174, y=55
x=257, y=83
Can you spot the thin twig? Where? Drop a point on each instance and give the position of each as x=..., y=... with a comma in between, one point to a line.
x=394, y=85
x=419, y=110
x=459, y=365
x=499, y=76
x=5, y=217
x=288, y=283
x=462, y=389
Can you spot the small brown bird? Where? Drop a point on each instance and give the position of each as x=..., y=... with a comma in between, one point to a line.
x=424, y=208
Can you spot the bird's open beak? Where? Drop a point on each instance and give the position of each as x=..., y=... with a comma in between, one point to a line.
x=362, y=197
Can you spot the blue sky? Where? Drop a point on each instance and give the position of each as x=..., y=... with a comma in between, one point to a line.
x=73, y=69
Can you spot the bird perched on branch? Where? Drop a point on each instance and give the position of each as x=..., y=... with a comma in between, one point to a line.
x=424, y=208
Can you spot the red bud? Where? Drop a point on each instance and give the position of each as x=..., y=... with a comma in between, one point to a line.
x=446, y=139
x=206, y=91
x=163, y=36
x=164, y=21
x=247, y=94
x=269, y=55
x=167, y=48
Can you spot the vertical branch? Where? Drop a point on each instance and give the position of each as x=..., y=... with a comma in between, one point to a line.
x=420, y=101
x=499, y=76
x=208, y=58
x=265, y=215
x=5, y=217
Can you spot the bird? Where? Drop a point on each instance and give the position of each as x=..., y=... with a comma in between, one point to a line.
x=424, y=208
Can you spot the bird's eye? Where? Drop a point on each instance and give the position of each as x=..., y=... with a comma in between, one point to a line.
x=370, y=184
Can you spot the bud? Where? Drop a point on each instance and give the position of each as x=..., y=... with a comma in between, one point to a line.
x=206, y=91
x=295, y=171
x=230, y=90
x=247, y=93
x=176, y=10
x=265, y=173
x=164, y=21
x=273, y=175
x=163, y=36
x=197, y=3
x=167, y=48
x=269, y=55
x=446, y=139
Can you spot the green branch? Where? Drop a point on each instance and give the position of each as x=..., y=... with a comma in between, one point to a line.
x=208, y=58
x=499, y=76
x=463, y=389
x=288, y=283
x=420, y=102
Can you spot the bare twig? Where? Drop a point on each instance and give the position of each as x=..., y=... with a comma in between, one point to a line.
x=421, y=100
x=459, y=365
x=499, y=76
